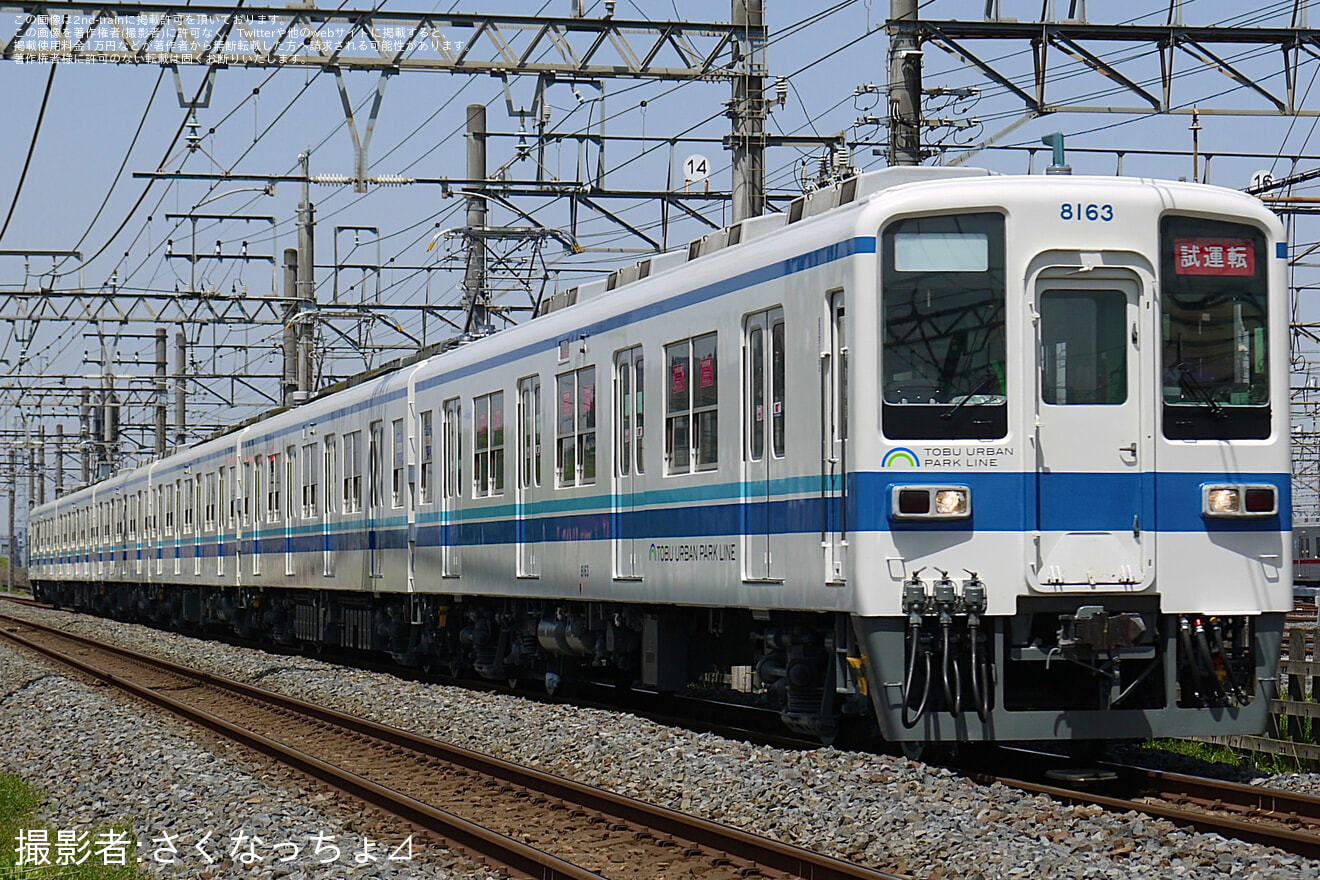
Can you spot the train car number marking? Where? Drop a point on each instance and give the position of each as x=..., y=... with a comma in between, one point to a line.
x=1078, y=211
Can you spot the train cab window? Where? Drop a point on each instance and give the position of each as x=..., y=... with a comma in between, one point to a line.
x=692, y=405
x=311, y=473
x=397, y=463
x=1084, y=347
x=942, y=328
x=352, y=472
x=488, y=445
x=1213, y=314
x=575, y=428
x=426, y=472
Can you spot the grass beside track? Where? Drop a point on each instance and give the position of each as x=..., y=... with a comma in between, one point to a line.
x=1220, y=754
x=18, y=813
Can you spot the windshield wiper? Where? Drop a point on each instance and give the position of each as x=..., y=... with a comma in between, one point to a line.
x=980, y=386
x=1188, y=383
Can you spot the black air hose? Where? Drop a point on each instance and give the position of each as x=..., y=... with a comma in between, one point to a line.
x=910, y=720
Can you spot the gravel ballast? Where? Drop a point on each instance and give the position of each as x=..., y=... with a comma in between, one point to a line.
x=885, y=812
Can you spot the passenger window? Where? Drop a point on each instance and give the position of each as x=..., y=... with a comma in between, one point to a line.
x=311, y=468
x=396, y=472
x=692, y=405
x=488, y=449
x=427, y=475
x=575, y=458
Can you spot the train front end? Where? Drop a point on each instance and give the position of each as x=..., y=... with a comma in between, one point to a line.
x=1074, y=506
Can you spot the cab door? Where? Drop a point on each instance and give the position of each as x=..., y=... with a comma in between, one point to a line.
x=1095, y=463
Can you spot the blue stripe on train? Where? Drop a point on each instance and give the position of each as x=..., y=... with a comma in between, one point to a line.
x=1001, y=502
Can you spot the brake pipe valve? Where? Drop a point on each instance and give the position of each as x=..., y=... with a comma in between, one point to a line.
x=915, y=597
x=946, y=596
x=974, y=593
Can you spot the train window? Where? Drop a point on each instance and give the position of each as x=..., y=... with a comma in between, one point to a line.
x=692, y=407
x=187, y=502
x=291, y=482
x=352, y=472
x=273, y=480
x=1084, y=344
x=1213, y=310
x=248, y=493
x=453, y=449
x=629, y=411
x=426, y=473
x=529, y=432
x=224, y=498
x=488, y=448
x=311, y=472
x=330, y=461
x=375, y=466
x=575, y=441
x=168, y=502
x=942, y=333
x=756, y=392
x=396, y=471
x=211, y=501
x=777, y=358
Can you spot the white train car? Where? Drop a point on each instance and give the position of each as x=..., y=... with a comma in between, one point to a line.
x=954, y=455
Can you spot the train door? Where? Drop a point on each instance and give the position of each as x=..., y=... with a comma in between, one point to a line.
x=834, y=442
x=1094, y=455
x=763, y=442
x=450, y=562
x=375, y=495
x=630, y=464
x=529, y=475
x=258, y=518
x=333, y=502
x=290, y=505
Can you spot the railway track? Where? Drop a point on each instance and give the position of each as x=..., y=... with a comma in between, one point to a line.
x=1251, y=813
x=528, y=822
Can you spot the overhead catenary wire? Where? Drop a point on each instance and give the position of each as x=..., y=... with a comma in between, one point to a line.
x=32, y=149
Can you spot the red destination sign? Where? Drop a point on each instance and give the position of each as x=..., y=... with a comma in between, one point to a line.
x=1214, y=256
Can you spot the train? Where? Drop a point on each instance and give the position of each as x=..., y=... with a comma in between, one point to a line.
x=936, y=454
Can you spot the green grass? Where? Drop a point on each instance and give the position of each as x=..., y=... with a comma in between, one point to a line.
x=1220, y=754
x=18, y=809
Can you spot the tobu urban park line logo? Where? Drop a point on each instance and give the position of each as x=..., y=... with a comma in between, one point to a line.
x=693, y=552
x=900, y=456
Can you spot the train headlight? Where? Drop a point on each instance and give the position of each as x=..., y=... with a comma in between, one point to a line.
x=1222, y=501
x=930, y=502
x=952, y=502
x=1239, y=500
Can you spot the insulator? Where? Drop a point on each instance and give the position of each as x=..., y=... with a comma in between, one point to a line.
x=391, y=180
x=331, y=179
x=781, y=91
